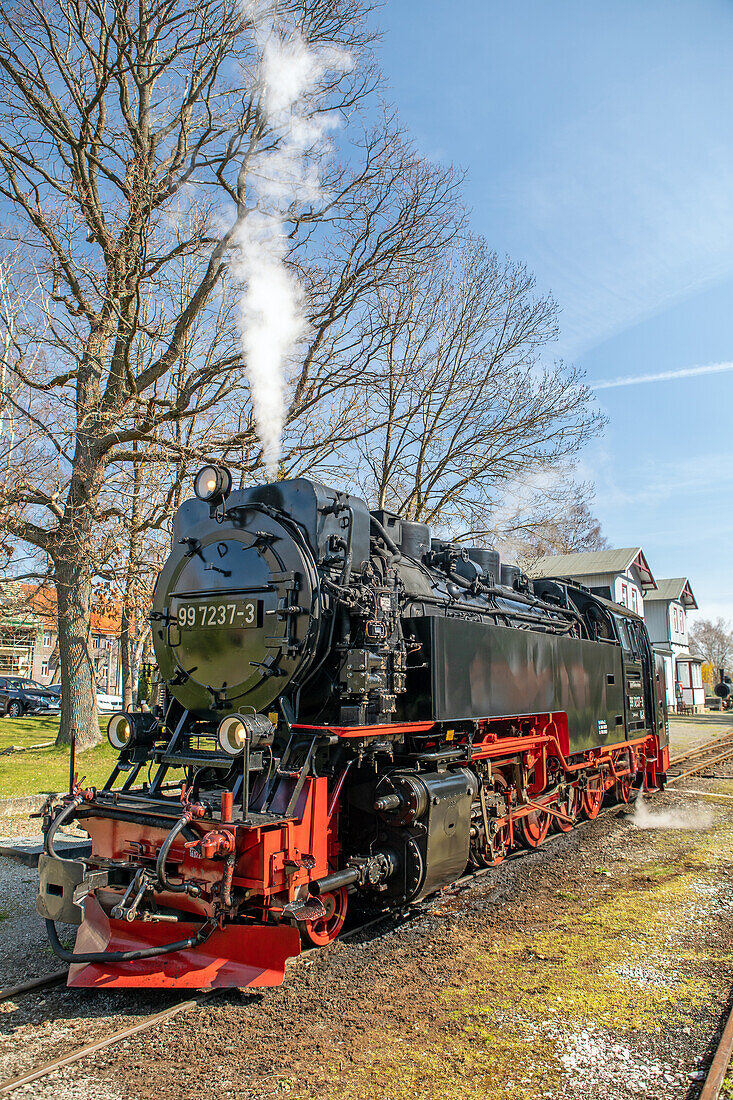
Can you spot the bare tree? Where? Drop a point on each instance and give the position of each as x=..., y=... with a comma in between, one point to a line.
x=556, y=519
x=712, y=640
x=463, y=407
x=127, y=143
x=124, y=131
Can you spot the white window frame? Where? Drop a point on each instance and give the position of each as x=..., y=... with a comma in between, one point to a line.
x=624, y=594
x=47, y=639
x=44, y=667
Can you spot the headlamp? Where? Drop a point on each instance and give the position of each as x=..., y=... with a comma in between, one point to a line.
x=119, y=731
x=237, y=729
x=232, y=735
x=213, y=484
x=127, y=728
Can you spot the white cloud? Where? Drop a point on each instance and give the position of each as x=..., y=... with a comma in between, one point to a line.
x=663, y=376
x=661, y=479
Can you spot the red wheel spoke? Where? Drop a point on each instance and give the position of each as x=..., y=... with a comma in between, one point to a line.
x=533, y=828
x=593, y=797
x=325, y=929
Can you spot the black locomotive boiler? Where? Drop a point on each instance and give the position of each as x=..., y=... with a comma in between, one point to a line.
x=351, y=707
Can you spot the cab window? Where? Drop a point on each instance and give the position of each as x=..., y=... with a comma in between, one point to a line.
x=623, y=634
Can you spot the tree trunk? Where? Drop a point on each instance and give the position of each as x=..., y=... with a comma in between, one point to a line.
x=130, y=622
x=79, y=695
x=137, y=651
x=127, y=627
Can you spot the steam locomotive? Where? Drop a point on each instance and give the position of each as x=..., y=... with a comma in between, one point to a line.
x=724, y=690
x=351, y=708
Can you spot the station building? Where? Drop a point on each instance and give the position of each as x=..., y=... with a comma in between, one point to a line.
x=666, y=620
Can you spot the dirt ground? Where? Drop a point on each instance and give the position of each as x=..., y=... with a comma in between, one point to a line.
x=597, y=967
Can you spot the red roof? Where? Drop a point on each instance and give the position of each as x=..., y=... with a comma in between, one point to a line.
x=42, y=602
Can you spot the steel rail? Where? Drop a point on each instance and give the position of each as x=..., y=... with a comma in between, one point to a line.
x=719, y=1065
x=27, y=1078
x=34, y=983
x=704, y=747
x=13, y=1083
x=700, y=766
x=8, y=1086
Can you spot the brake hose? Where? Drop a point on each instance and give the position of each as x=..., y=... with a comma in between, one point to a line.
x=58, y=821
x=175, y=887
x=124, y=956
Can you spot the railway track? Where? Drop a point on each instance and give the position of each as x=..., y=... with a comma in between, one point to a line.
x=717, y=750
x=151, y=1020
x=719, y=1065
x=46, y=982
x=698, y=759
x=395, y=921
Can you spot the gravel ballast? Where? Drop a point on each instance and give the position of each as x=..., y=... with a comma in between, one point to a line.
x=598, y=967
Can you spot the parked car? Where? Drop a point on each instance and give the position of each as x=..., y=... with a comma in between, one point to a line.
x=27, y=697
x=106, y=704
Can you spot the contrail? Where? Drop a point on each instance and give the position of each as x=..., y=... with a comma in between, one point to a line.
x=663, y=376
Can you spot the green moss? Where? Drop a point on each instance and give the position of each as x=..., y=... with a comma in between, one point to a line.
x=614, y=957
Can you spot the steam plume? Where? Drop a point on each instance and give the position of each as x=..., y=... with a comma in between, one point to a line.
x=290, y=76
x=692, y=817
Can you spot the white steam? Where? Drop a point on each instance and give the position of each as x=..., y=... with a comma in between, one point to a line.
x=280, y=175
x=693, y=817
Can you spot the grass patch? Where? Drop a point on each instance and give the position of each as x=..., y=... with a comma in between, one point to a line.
x=40, y=771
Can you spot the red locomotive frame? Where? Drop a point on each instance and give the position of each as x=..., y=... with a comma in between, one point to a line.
x=274, y=862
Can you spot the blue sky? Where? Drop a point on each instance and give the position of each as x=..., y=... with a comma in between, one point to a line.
x=598, y=141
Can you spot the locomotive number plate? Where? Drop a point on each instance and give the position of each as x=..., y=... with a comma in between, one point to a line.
x=234, y=613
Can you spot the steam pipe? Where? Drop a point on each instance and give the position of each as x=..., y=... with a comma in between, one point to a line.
x=499, y=612
x=346, y=571
x=335, y=881
x=387, y=539
x=510, y=594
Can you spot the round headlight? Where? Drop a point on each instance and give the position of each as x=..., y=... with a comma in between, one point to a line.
x=212, y=484
x=232, y=735
x=119, y=731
